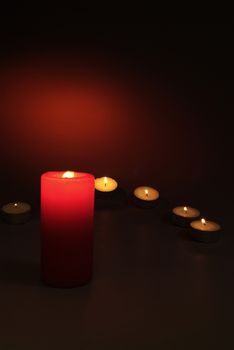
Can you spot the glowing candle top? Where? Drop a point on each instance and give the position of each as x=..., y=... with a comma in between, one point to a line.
x=186, y=212
x=105, y=184
x=68, y=174
x=146, y=193
x=205, y=225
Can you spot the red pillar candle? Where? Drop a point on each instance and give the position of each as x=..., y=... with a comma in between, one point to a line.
x=67, y=202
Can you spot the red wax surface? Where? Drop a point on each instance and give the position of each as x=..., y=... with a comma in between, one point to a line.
x=67, y=228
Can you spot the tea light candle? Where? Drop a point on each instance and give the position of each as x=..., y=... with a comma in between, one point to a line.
x=108, y=195
x=67, y=202
x=205, y=231
x=182, y=216
x=16, y=213
x=105, y=184
x=146, y=196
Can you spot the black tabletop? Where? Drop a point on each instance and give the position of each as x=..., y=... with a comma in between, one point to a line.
x=151, y=288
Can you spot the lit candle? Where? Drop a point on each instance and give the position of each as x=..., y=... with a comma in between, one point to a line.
x=105, y=184
x=108, y=195
x=146, y=196
x=182, y=216
x=67, y=201
x=205, y=231
x=16, y=212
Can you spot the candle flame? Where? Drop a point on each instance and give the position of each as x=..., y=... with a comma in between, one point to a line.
x=15, y=204
x=146, y=192
x=105, y=180
x=68, y=175
x=185, y=209
x=203, y=221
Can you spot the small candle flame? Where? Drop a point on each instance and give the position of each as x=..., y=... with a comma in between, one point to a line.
x=105, y=180
x=68, y=175
x=15, y=204
x=146, y=192
x=203, y=221
x=185, y=209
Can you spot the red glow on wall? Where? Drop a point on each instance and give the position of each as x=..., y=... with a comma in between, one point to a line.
x=89, y=120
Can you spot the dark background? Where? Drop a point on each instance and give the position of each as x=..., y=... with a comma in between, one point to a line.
x=145, y=104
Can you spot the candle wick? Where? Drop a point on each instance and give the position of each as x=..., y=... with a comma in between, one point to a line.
x=105, y=181
x=203, y=222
